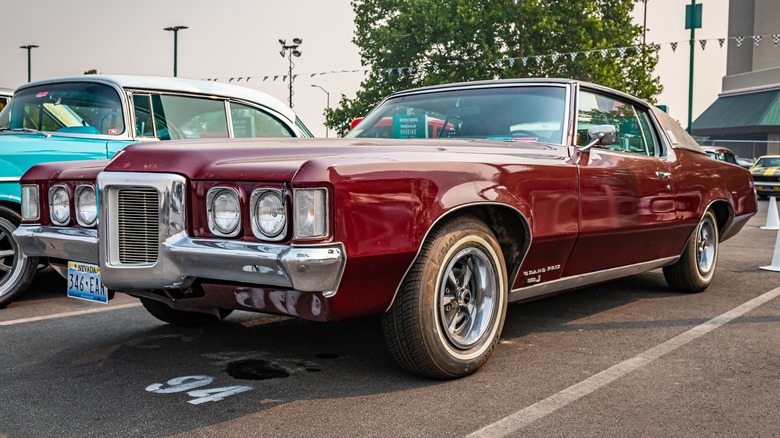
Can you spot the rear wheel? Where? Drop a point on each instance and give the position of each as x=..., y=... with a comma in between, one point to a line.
x=16, y=269
x=696, y=267
x=448, y=314
x=166, y=313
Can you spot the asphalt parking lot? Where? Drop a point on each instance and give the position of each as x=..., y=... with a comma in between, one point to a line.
x=626, y=358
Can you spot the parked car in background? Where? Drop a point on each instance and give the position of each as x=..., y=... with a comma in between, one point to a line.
x=721, y=153
x=94, y=116
x=528, y=188
x=766, y=174
x=5, y=96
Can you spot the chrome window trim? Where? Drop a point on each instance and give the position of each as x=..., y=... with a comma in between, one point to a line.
x=76, y=193
x=256, y=194
x=212, y=193
x=52, y=189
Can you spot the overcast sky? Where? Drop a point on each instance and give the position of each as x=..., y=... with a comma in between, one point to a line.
x=232, y=38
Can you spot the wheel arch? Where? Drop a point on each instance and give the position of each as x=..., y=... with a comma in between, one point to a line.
x=724, y=215
x=11, y=205
x=511, y=227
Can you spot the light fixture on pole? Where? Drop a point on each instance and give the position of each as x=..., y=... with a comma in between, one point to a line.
x=327, y=107
x=29, y=48
x=175, y=30
x=290, y=50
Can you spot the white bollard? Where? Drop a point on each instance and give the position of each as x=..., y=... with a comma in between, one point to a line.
x=772, y=220
x=775, y=257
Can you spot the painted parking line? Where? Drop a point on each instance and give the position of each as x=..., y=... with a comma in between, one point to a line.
x=67, y=314
x=524, y=417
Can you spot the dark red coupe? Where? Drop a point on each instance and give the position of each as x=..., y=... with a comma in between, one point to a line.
x=444, y=204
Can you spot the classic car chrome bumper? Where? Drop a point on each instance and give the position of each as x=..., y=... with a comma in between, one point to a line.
x=77, y=244
x=315, y=268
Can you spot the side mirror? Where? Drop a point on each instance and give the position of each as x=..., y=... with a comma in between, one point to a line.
x=355, y=123
x=601, y=135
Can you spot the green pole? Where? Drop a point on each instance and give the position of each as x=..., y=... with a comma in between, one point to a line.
x=176, y=45
x=690, y=77
x=29, y=65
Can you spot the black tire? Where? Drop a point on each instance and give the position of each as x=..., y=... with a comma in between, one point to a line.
x=16, y=269
x=694, y=270
x=165, y=313
x=442, y=323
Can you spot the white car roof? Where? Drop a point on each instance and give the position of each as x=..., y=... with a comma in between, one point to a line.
x=164, y=83
x=6, y=92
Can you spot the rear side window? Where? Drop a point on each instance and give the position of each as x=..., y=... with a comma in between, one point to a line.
x=249, y=122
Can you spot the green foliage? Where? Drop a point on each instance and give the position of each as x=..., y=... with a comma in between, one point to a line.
x=467, y=38
x=91, y=72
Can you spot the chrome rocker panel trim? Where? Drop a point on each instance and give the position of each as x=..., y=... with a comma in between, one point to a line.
x=67, y=243
x=578, y=281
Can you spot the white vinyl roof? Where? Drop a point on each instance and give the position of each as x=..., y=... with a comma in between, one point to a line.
x=163, y=83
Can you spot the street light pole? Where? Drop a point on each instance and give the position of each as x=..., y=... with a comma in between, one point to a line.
x=327, y=107
x=175, y=30
x=644, y=26
x=29, y=48
x=290, y=50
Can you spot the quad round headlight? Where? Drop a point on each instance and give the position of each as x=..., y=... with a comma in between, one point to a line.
x=269, y=215
x=59, y=204
x=86, y=206
x=224, y=212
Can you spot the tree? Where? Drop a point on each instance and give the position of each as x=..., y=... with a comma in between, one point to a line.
x=412, y=43
x=91, y=72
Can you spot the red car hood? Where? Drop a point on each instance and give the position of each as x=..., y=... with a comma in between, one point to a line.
x=282, y=159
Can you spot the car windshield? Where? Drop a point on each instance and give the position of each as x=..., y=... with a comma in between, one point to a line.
x=71, y=107
x=521, y=113
x=768, y=162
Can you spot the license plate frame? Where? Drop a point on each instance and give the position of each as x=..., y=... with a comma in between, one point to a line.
x=84, y=282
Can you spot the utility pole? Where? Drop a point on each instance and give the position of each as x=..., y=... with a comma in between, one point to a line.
x=327, y=105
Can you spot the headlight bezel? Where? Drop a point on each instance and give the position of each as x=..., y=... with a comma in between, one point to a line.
x=77, y=205
x=52, y=212
x=254, y=217
x=213, y=194
x=30, y=192
x=322, y=214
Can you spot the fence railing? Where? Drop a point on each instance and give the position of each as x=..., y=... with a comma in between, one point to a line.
x=750, y=149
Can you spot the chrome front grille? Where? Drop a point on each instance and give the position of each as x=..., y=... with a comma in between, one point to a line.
x=138, y=229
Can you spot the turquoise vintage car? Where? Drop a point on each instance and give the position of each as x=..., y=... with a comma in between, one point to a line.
x=94, y=116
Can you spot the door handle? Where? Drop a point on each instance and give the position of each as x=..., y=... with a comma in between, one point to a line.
x=664, y=175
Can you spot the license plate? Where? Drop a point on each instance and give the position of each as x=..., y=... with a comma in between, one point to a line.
x=84, y=282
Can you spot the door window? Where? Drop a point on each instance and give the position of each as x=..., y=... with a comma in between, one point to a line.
x=178, y=117
x=634, y=128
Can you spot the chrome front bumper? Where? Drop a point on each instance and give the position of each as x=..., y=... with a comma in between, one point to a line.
x=314, y=268
x=77, y=244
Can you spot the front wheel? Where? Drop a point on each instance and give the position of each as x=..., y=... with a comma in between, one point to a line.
x=448, y=314
x=166, y=313
x=16, y=269
x=694, y=270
